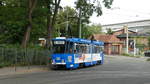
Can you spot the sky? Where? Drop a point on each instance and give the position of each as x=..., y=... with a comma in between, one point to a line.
x=121, y=11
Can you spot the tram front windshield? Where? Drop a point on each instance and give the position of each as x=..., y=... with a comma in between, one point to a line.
x=58, y=46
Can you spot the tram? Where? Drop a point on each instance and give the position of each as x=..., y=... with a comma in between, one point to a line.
x=72, y=53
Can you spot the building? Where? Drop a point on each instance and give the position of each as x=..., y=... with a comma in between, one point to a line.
x=42, y=41
x=140, y=39
x=141, y=26
x=112, y=45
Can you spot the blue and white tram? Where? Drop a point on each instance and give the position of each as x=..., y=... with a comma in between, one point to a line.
x=72, y=53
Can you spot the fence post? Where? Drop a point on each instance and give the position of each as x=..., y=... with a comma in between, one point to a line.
x=28, y=58
x=16, y=59
x=3, y=55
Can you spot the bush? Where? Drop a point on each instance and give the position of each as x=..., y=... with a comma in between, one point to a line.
x=148, y=59
x=125, y=54
x=4, y=65
x=130, y=55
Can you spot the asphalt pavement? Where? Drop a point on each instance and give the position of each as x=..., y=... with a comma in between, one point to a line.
x=115, y=70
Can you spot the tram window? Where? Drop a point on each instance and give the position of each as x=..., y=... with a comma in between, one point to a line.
x=88, y=49
x=93, y=49
x=59, y=48
x=101, y=48
x=96, y=49
x=78, y=50
x=69, y=47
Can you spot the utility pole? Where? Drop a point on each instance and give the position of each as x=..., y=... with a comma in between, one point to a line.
x=80, y=23
x=127, y=39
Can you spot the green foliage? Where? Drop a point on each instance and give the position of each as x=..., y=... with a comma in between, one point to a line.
x=88, y=7
x=124, y=54
x=130, y=55
x=62, y=20
x=109, y=31
x=13, y=21
x=149, y=42
x=91, y=29
x=148, y=59
x=12, y=24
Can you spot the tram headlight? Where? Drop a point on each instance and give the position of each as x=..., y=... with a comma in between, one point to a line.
x=53, y=61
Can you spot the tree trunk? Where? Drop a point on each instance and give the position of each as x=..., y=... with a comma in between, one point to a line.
x=1, y=3
x=49, y=31
x=55, y=12
x=51, y=22
x=26, y=38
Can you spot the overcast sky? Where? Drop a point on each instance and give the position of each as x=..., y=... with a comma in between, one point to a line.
x=122, y=11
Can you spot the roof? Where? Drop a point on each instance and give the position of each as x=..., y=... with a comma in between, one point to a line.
x=105, y=38
x=126, y=22
x=134, y=35
x=124, y=29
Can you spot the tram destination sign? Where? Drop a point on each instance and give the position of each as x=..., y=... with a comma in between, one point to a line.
x=59, y=42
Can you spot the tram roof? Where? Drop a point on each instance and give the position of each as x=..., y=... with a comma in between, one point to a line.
x=79, y=40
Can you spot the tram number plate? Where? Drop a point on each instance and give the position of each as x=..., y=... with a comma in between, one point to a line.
x=59, y=42
x=58, y=58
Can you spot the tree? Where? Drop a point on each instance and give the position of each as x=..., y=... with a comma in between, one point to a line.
x=109, y=31
x=14, y=21
x=66, y=22
x=31, y=6
x=92, y=29
x=86, y=9
x=53, y=7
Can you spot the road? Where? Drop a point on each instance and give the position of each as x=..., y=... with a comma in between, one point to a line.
x=116, y=70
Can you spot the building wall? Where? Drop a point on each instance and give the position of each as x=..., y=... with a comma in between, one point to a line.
x=142, y=40
x=110, y=47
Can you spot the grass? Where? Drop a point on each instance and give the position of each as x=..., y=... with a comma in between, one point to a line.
x=148, y=59
x=130, y=55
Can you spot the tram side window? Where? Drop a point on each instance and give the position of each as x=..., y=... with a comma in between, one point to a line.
x=80, y=48
x=96, y=49
x=93, y=49
x=69, y=47
x=88, y=48
x=77, y=50
x=84, y=49
x=101, y=48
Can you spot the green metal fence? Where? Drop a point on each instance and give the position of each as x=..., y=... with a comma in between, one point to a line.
x=23, y=57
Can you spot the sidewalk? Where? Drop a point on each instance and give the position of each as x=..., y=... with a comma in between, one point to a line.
x=22, y=70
